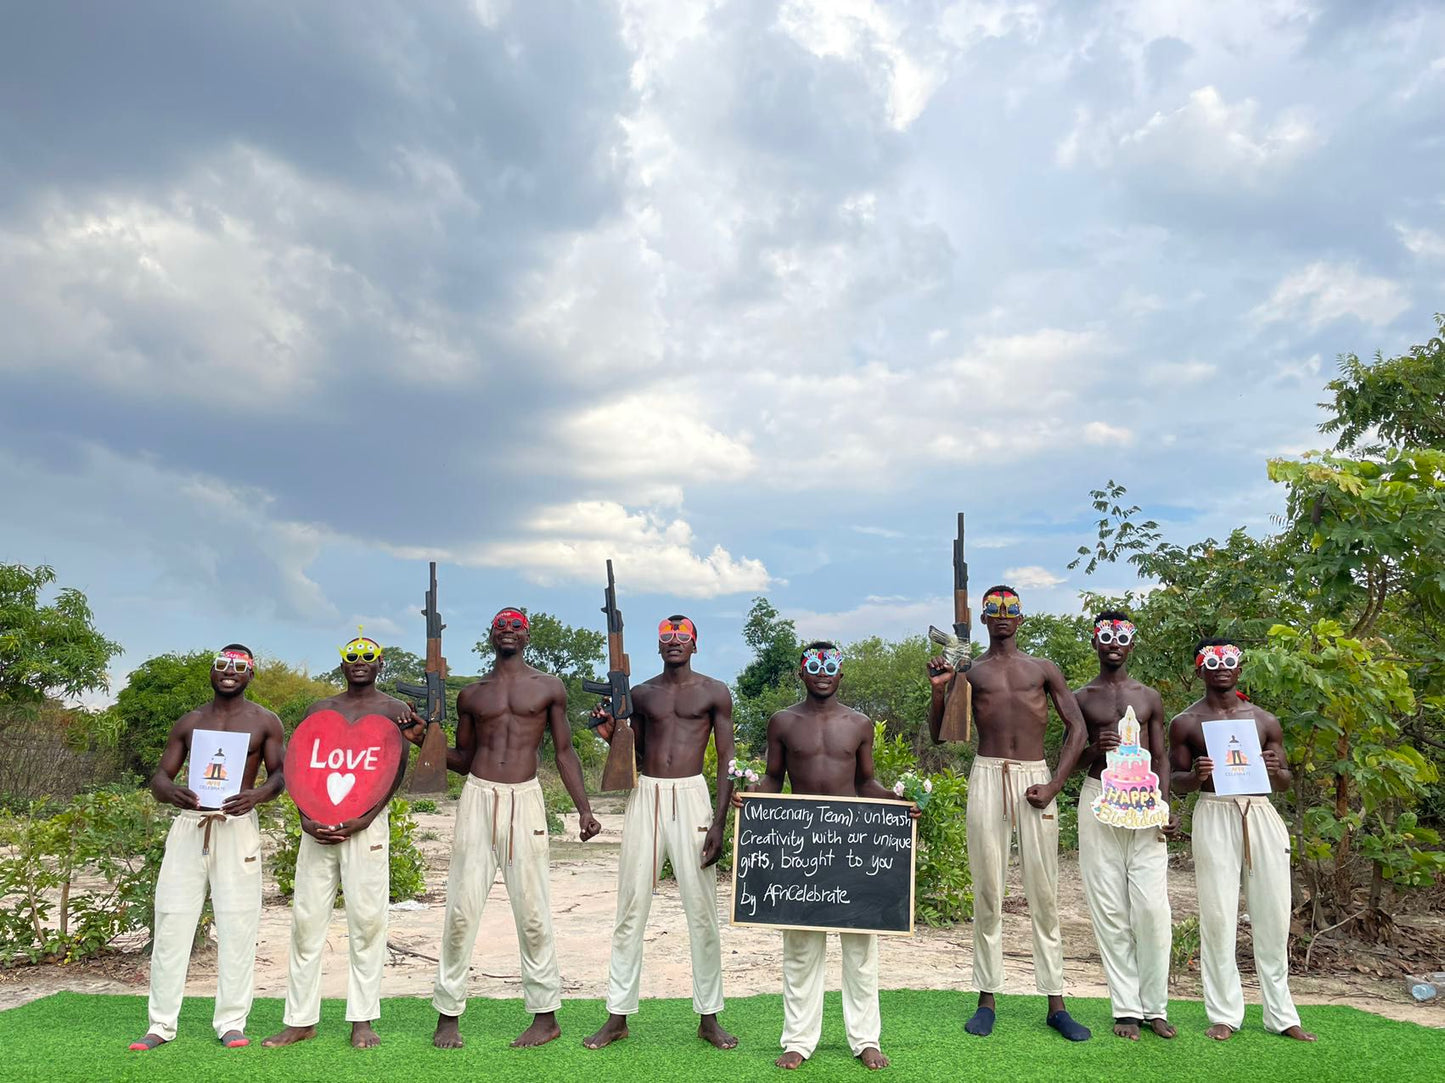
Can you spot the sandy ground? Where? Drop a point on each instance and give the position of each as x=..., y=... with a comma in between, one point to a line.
x=583, y=902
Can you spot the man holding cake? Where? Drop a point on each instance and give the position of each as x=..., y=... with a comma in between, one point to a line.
x=1122, y=855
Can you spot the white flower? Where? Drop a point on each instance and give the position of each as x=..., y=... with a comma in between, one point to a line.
x=752, y=776
x=898, y=788
x=928, y=785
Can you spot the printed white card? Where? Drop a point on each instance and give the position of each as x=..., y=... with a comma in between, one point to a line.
x=1233, y=745
x=218, y=760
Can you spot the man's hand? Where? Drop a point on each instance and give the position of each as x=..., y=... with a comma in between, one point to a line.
x=1107, y=741
x=1041, y=793
x=940, y=674
x=605, y=728
x=1171, y=829
x=1273, y=761
x=712, y=845
x=738, y=795
x=914, y=812
x=412, y=726
x=238, y=804
x=1203, y=768
x=589, y=824
x=179, y=796
x=329, y=834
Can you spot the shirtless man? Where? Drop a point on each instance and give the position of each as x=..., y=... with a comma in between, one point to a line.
x=357, y=854
x=670, y=815
x=502, y=824
x=826, y=749
x=1124, y=869
x=1236, y=838
x=219, y=849
x=1010, y=707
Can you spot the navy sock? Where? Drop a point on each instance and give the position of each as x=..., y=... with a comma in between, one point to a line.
x=1064, y=1023
x=982, y=1022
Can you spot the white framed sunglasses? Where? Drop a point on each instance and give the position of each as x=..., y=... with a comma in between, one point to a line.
x=222, y=664
x=1108, y=636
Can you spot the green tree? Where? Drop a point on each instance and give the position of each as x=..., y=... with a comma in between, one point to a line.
x=774, y=642
x=47, y=650
x=1343, y=607
x=157, y=692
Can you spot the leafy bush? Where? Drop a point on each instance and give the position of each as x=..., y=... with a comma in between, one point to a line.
x=283, y=826
x=423, y=804
x=943, y=889
x=110, y=840
x=1184, y=948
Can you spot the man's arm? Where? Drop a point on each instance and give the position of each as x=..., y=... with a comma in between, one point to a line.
x=722, y=735
x=1190, y=772
x=1075, y=735
x=163, y=782
x=940, y=676
x=1158, y=752
x=1280, y=777
x=460, y=758
x=864, y=784
x=273, y=755
x=568, y=765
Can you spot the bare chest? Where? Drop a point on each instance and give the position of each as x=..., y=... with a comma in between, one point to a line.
x=498, y=701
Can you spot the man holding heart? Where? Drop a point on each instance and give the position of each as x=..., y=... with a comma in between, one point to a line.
x=502, y=824
x=345, y=762
x=215, y=849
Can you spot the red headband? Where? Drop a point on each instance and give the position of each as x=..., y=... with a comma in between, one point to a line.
x=510, y=614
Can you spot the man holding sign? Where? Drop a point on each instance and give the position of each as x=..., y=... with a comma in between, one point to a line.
x=215, y=848
x=349, y=756
x=502, y=824
x=670, y=816
x=1234, y=837
x=1010, y=789
x=826, y=749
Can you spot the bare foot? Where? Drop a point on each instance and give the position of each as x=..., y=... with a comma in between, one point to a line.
x=614, y=1030
x=449, y=1032
x=1163, y=1028
x=710, y=1030
x=1127, y=1028
x=364, y=1037
x=873, y=1059
x=289, y=1036
x=543, y=1029
x=146, y=1044
x=1298, y=1033
x=789, y=1060
x=1220, y=1032
x=234, y=1039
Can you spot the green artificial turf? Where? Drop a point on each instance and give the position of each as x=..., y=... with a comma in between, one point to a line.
x=74, y=1036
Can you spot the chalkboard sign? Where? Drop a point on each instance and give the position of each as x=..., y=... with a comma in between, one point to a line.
x=829, y=863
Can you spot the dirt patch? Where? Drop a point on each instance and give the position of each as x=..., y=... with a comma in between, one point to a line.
x=584, y=881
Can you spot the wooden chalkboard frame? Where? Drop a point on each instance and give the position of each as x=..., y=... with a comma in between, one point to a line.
x=912, y=865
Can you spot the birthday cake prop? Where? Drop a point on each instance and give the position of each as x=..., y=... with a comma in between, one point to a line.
x=1131, y=795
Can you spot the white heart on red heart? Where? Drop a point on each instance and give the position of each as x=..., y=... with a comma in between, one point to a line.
x=337, y=770
x=338, y=786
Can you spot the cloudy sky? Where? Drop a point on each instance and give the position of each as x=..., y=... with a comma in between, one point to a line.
x=751, y=297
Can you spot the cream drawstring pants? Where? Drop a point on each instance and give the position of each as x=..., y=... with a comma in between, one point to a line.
x=1243, y=840
x=361, y=865
x=804, y=968
x=207, y=849
x=1128, y=899
x=666, y=818
x=996, y=809
x=499, y=826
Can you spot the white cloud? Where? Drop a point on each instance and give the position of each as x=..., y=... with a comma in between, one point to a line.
x=1031, y=577
x=1101, y=433
x=864, y=30
x=1422, y=242
x=1323, y=292
x=878, y=531
x=1209, y=139
x=891, y=618
x=1171, y=374
x=572, y=543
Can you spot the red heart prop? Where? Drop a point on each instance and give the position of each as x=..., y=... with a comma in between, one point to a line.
x=336, y=770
